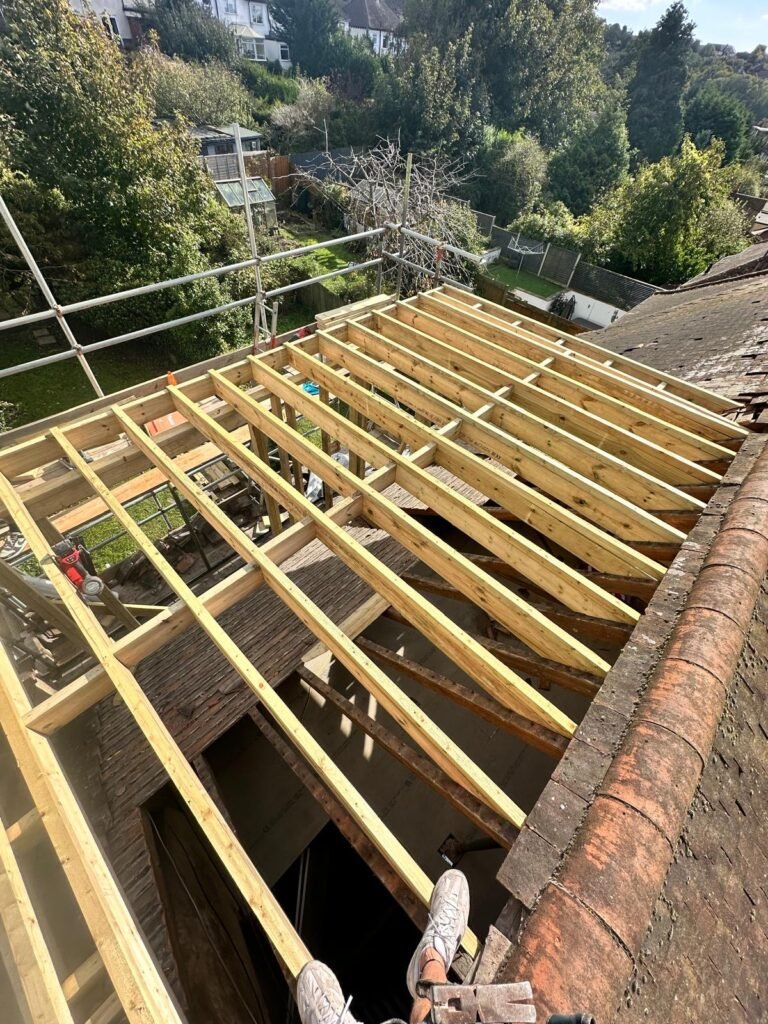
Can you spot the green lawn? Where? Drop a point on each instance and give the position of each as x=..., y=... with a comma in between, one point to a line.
x=522, y=279
x=49, y=389
x=329, y=259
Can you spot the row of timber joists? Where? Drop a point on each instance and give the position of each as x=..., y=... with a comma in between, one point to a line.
x=571, y=478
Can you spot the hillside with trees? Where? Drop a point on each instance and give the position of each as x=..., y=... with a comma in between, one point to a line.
x=627, y=146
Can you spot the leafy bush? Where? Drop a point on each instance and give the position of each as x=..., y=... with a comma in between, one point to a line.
x=187, y=29
x=509, y=174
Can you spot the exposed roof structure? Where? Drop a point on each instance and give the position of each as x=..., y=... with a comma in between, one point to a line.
x=578, y=473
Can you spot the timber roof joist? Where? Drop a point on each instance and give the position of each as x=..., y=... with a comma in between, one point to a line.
x=591, y=470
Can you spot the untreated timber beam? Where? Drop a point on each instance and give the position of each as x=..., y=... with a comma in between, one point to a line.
x=142, y=989
x=486, y=671
x=280, y=934
x=408, y=377
x=644, y=486
x=570, y=530
x=288, y=946
x=554, y=576
x=649, y=374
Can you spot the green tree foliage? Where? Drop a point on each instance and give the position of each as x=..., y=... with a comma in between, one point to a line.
x=266, y=88
x=431, y=99
x=594, y=161
x=187, y=29
x=551, y=222
x=538, y=59
x=308, y=26
x=301, y=125
x=124, y=200
x=201, y=93
x=656, y=92
x=352, y=66
x=715, y=114
x=669, y=222
x=509, y=174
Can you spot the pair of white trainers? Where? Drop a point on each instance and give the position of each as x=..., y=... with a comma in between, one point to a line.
x=318, y=993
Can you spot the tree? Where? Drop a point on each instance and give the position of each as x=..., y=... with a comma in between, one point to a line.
x=301, y=125
x=123, y=200
x=431, y=98
x=201, y=93
x=308, y=26
x=594, y=161
x=187, y=29
x=714, y=114
x=509, y=174
x=656, y=92
x=669, y=222
x=538, y=59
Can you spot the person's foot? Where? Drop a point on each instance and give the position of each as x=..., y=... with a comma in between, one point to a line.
x=319, y=996
x=448, y=915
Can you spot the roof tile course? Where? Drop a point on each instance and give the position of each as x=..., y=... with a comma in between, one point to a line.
x=603, y=900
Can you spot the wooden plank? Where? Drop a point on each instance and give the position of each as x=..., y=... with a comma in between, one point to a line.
x=593, y=501
x=410, y=326
x=684, y=389
x=570, y=531
x=109, y=1012
x=132, y=969
x=288, y=947
x=422, y=730
x=472, y=808
x=26, y=832
x=557, y=578
x=411, y=718
x=666, y=406
x=432, y=623
x=14, y=581
x=91, y=687
x=682, y=442
x=478, y=703
x=32, y=958
x=84, y=982
x=259, y=447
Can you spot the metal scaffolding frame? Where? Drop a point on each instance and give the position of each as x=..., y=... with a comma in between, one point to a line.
x=265, y=320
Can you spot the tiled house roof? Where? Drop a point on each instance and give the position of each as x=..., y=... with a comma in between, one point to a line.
x=371, y=14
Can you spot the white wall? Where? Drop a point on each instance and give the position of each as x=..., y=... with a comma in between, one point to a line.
x=112, y=9
x=376, y=36
x=586, y=308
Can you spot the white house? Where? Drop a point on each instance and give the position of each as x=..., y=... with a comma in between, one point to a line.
x=257, y=36
x=374, y=20
x=118, y=20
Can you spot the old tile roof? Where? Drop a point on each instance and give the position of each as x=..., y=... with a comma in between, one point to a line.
x=715, y=335
x=750, y=260
x=373, y=14
x=632, y=920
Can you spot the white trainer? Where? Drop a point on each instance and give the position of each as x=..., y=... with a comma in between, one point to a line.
x=319, y=996
x=448, y=916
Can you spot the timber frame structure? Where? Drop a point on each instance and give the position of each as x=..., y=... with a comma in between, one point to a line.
x=577, y=475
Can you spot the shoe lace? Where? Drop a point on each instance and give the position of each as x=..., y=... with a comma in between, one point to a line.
x=327, y=1012
x=443, y=923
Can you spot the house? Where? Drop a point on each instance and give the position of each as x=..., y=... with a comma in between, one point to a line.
x=263, y=205
x=119, y=21
x=258, y=38
x=221, y=141
x=374, y=20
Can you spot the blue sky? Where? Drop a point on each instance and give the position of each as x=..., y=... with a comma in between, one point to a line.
x=742, y=23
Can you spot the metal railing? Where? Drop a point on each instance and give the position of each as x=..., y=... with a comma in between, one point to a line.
x=263, y=329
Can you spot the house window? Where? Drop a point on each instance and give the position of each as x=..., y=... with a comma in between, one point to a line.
x=257, y=14
x=253, y=49
x=285, y=53
x=385, y=43
x=230, y=6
